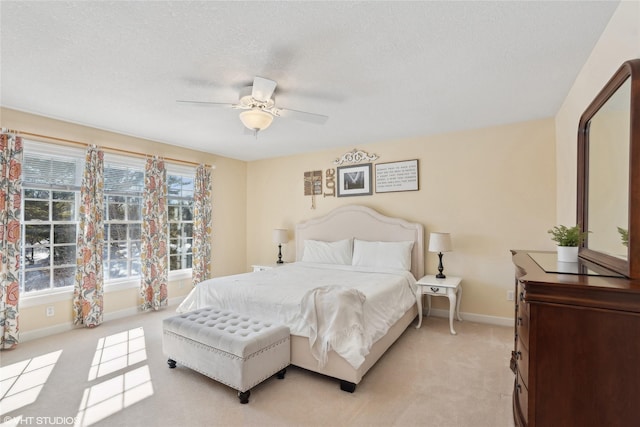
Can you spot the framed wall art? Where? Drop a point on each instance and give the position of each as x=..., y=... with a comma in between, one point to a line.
x=354, y=180
x=397, y=176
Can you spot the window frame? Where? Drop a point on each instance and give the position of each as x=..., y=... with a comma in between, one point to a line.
x=40, y=152
x=52, y=243
x=133, y=190
x=185, y=197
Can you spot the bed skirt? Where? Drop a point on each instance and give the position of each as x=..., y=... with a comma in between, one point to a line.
x=339, y=368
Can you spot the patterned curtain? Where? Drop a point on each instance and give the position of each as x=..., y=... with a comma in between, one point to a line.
x=153, y=288
x=88, y=290
x=201, y=225
x=10, y=205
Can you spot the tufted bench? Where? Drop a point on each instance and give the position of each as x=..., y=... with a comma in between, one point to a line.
x=231, y=348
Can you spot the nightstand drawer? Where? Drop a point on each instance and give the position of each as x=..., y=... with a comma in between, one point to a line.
x=264, y=267
x=434, y=290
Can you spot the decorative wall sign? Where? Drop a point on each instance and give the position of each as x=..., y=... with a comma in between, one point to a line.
x=355, y=156
x=397, y=176
x=354, y=180
x=313, y=185
x=330, y=182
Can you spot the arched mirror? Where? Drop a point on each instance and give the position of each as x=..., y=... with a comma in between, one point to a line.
x=609, y=173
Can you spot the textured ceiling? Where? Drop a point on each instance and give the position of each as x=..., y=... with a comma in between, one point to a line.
x=379, y=70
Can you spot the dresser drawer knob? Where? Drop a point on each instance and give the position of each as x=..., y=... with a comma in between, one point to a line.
x=522, y=296
x=435, y=290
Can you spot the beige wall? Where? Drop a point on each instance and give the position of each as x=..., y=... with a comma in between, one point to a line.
x=493, y=189
x=229, y=207
x=619, y=42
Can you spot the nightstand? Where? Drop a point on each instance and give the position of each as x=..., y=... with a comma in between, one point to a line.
x=263, y=267
x=448, y=287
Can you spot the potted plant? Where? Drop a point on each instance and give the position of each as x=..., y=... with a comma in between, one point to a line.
x=568, y=240
x=624, y=236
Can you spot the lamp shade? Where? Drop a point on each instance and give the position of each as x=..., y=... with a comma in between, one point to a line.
x=440, y=242
x=280, y=236
x=256, y=119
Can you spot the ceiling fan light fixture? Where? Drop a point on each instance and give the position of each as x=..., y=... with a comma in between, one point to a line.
x=256, y=119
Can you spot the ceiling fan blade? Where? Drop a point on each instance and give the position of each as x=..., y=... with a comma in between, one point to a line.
x=206, y=103
x=318, y=119
x=262, y=89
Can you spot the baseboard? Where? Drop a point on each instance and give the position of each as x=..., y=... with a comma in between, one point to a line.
x=472, y=317
x=65, y=327
x=45, y=332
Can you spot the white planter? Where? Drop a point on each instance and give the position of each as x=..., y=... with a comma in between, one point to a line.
x=567, y=254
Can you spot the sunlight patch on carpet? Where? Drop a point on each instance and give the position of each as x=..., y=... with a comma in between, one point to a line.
x=21, y=382
x=118, y=351
x=113, y=395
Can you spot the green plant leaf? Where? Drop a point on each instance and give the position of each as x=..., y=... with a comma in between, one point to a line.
x=567, y=236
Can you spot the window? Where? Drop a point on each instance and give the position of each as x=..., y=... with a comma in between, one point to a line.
x=51, y=190
x=123, y=185
x=180, y=205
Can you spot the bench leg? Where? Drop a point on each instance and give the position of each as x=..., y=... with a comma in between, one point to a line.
x=347, y=386
x=244, y=396
x=171, y=363
x=281, y=374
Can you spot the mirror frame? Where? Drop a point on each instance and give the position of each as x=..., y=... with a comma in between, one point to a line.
x=631, y=266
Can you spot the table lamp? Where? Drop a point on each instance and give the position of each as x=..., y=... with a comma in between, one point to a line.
x=280, y=237
x=440, y=242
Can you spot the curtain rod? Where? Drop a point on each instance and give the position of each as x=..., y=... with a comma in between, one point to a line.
x=110, y=149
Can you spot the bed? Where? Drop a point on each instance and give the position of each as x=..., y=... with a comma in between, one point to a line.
x=372, y=288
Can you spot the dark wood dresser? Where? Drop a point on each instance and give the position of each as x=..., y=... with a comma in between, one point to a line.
x=577, y=345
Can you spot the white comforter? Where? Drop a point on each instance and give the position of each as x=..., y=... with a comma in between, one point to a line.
x=278, y=295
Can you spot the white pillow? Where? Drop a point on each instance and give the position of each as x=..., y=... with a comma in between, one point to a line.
x=338, y=252
x=396, y=255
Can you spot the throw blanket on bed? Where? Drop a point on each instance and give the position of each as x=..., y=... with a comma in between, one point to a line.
x=336, y=322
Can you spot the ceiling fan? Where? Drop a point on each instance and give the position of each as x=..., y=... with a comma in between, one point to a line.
x=259, y=106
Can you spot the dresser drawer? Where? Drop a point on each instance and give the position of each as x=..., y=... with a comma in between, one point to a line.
x=522, y=323
x=521, y=400
x=522, y=361
x=521, y=294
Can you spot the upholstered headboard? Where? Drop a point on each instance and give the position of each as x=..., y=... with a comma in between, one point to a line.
x=360, y=222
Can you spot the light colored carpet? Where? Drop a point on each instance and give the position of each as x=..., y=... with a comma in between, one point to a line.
x=427, y=378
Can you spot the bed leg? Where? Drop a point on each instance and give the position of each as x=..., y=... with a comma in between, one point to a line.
x=171, y=363
x=281, y=374
x=244, y=396
x=347, y=386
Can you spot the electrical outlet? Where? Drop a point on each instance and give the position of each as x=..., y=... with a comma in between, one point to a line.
x=510, y=295
x=50, y=311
